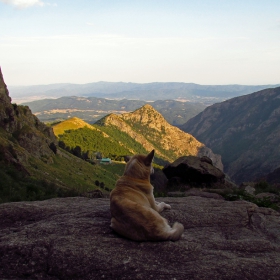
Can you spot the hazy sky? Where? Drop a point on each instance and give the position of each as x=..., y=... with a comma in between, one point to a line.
x=82, y=41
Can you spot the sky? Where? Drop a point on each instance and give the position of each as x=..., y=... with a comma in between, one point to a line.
x=194, y=41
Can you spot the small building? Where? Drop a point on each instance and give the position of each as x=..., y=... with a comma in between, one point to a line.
x=105, y=161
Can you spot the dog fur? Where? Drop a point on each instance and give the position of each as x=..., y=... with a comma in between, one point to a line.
x=134, y=211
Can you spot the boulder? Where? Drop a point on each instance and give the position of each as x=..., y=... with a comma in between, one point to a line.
x=70, y=238
x=194, y=170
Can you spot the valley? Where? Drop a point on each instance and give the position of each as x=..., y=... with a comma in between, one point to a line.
x=40, y=161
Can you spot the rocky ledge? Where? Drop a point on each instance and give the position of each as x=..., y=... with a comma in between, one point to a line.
x=70, y=238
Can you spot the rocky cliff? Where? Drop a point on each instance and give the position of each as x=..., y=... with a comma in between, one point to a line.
x=245, y=131
x=70, y=238
x=148, y=127
x=22, y=134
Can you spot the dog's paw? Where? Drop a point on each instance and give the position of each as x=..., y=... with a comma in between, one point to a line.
x=160, y=206
x=167, y=206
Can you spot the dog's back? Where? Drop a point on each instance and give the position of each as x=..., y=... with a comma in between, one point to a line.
x=135, y=214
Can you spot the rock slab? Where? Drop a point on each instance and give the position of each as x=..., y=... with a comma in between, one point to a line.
x=70, y=238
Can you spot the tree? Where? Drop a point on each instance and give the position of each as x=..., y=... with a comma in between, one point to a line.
x=77, y=151
x=61, y=144
x=53, y=147
x=98, y=155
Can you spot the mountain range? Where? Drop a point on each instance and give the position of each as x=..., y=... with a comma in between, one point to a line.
x=245, y=131
x=205, y=94
x=92, y=109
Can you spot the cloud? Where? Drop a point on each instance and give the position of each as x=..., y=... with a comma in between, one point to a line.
x=23, y=4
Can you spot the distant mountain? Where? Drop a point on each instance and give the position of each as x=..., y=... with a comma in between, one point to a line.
x=149, y=128
x=205, y=94
x=245, y=131
x=92, y=109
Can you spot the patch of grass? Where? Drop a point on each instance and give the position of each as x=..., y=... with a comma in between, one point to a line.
x=14, y=187
x=75, y=173
x=239, y=194
x=263, y=186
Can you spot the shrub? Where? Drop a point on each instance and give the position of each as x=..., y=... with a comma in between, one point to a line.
x=263, y=186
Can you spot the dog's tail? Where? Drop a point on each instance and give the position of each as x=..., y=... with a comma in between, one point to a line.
x=176, y=231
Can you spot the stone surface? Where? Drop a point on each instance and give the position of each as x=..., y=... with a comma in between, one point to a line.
x=70, y=238
x=195, y=192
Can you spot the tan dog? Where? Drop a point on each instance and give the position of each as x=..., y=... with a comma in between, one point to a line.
x=135, y=213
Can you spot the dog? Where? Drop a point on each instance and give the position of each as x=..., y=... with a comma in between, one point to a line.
x=134, y=211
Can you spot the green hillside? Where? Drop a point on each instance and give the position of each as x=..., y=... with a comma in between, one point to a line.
x=66, y=175
x=73, y=123
x=108, y=141
x=59, y=175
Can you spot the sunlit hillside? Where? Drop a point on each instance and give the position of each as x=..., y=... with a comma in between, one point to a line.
x=72, y=123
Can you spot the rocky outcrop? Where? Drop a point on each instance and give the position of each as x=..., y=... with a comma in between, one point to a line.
x=195, y=170
x=245, y=131
x=7, y=113
x=70, y=238
x=148, y=127
x=22, y=133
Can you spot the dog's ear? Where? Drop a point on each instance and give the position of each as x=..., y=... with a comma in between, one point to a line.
x=127, y=158
x=149, y=158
